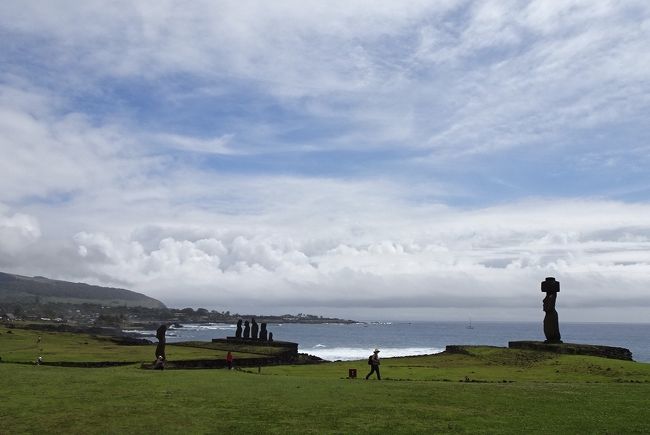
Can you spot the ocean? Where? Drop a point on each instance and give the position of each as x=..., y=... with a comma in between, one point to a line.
x=333, y=342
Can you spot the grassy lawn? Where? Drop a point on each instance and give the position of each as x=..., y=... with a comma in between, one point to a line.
x=543, y=393
x=21, y=345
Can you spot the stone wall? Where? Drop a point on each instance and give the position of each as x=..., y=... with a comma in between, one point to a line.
x=574, y=349
x=291, y=347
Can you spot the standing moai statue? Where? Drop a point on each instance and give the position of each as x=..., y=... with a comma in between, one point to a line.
x=238, y=331
x=247, y=330
x=160, y=349
x=263, y=333
x=270, y=336
x=254, y=329
x=551, y=323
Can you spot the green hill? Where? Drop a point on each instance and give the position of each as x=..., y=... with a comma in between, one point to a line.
x=24, y=289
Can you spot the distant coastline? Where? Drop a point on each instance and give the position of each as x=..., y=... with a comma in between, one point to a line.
x=43, y=300
x=304, y=320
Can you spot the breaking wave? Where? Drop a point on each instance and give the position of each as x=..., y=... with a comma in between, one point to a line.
x=146, y=332
x=208, y=326
x=359, y=353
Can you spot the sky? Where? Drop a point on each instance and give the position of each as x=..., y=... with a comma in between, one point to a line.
x=373, y=160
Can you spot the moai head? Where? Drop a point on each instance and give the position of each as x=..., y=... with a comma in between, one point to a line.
x=550, y=285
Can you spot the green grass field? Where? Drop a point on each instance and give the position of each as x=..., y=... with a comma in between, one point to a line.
x=21, y=345
x=488, y=390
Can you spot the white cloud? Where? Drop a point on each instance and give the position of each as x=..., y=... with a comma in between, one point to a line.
x=385, y=253
x=218, y=145
x=17, y=231
x=113, y=197
x=461, y=77
x=53, y=153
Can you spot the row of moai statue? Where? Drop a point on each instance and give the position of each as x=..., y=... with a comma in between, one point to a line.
x=252, y=331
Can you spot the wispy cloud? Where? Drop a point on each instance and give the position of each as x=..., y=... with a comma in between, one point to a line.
x=218, y=145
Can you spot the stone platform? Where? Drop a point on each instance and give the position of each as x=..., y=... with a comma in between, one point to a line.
x=286, y=354
x=574, y=349
x=292, y=348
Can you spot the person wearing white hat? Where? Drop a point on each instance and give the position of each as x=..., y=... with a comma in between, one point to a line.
x=373, y=361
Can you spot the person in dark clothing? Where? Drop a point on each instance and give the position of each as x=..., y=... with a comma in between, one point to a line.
x=374, y=364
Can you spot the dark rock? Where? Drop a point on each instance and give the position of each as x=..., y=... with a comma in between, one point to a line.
x=453, y=348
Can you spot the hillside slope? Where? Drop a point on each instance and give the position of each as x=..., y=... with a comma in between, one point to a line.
x=24, y=289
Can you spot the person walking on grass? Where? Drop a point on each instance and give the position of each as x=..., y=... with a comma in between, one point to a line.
x=373, y=361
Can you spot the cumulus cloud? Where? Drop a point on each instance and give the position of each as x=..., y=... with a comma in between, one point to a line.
x=444, y=258
x=17, y=231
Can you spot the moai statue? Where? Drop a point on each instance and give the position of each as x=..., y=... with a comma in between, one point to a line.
x=160, y=349
x=263, y=333
x=247, y=330
x=238, y=331
x=254, y=329
x=270, y=336
x=551, y=324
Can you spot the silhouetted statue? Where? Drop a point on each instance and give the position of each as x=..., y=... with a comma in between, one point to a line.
x=551, y=323
x=160, y=335
x=254, y=330
x=270, y=336
x=263, y=333
x=247, y=330
x=238, y=331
